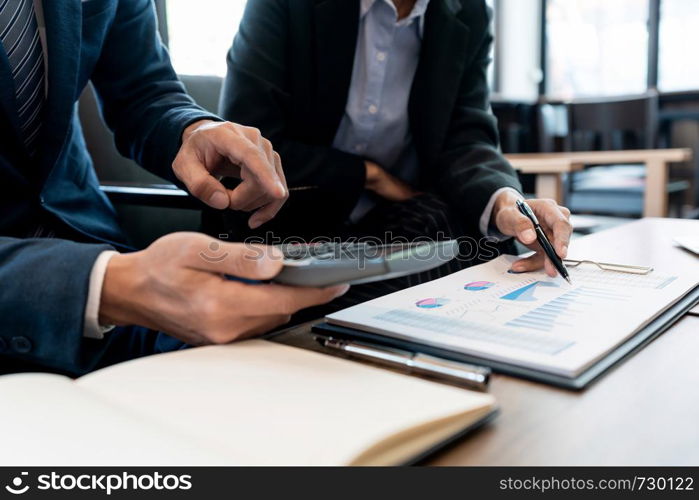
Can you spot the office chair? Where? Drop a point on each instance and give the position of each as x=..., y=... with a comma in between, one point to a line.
x=518, y=130
x=148, y=206
x=622, y=123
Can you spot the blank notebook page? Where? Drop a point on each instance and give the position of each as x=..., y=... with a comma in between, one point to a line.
x=258, y=402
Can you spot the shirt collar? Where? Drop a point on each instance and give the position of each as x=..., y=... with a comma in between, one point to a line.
x=418, y=11
x=365, y=6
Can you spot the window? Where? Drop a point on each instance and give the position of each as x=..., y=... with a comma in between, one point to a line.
x=200, y=33
x=491, y=67
x=679, y=40
x=597, y=47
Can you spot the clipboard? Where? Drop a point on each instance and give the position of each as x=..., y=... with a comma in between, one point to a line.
x=622, y=352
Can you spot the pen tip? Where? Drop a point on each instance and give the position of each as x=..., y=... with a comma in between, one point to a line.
x=568, y=280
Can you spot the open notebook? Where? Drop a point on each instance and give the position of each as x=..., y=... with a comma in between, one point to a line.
x=528, y=321
x=251, y=403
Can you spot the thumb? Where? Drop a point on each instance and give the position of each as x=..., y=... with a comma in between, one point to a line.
x=242, y=260
x=200, y=183
x=255, y=262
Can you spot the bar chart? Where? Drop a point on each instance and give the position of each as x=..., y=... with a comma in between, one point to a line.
x=568, y=309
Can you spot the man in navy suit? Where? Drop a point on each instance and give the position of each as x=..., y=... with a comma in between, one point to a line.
x=63, y=283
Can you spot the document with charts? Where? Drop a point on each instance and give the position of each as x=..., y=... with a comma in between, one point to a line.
x=530, y=320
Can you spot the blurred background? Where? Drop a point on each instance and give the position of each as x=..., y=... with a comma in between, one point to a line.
x=617, y=78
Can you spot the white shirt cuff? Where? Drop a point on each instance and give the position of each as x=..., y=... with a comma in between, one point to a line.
x=92, y=328
x=486, y=228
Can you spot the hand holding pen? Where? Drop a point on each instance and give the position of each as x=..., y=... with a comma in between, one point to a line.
x=553, y=221
x=543, y=240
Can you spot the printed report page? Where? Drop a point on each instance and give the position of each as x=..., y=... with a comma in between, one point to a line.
x=527, y=319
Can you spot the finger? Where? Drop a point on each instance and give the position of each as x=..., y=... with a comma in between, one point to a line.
x=243, y=260
x=557, y=225
x=249, y=195
x=241, y=150
x=271, y=211
x=226, y=169
x=199, y=182
x=278, y=166
x=541, y=260
x=535, y=263
x=265, y=214
x=256, y=203
x=562, y=231
x=518, y=225
x=281, y=299
x=277, y=160
x=528, y=264
x=266, y=146
x=245, y=194
x=549, y=268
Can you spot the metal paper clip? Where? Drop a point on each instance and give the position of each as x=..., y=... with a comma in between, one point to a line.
x=605, y=266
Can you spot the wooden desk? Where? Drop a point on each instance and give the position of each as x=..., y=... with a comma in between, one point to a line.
x=643, y=412
x=550, y=167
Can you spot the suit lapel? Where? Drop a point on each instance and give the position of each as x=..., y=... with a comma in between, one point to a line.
x=336, y=28
x=63, y=39
x=438, y=75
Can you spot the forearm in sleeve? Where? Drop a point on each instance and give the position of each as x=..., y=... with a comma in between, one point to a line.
x=42, y=299
x=142, y=100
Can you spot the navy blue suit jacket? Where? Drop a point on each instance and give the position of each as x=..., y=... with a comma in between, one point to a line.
x=44, y=282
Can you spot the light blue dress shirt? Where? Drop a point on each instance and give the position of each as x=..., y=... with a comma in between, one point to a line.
x=376, y=125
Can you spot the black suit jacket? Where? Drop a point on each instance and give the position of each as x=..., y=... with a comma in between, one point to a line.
x=289, y=73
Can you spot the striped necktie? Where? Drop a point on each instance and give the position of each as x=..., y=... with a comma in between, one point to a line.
x=19, y=33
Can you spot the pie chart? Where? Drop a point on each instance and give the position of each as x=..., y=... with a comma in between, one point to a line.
x=431, y=303
x=476, y=286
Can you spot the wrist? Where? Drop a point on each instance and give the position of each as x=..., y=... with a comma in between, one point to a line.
x=121, y=291
x=373, y=174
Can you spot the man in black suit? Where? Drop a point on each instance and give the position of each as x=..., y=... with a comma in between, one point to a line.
x=380, y=112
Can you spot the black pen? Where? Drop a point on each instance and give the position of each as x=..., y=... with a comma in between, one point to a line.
x=544, y=241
